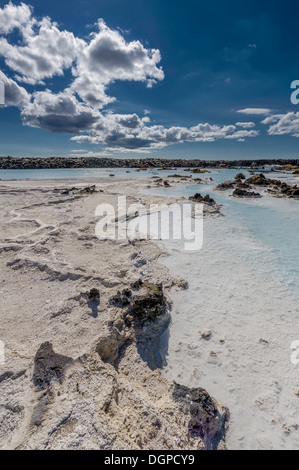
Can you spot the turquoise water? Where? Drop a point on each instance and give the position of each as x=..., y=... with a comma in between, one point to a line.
x=271, y=222
x=71, y=173
x=79, y=173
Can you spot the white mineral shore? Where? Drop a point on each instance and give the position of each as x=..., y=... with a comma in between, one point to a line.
x=100, y=387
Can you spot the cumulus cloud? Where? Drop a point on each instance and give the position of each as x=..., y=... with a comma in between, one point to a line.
x=283, y=124
x=15, y=95
x=241, y=135
x=245, y=125
x=44, y=51
x=113, y=131
x=90, y=153
x=61, y=113
x=12, y=17
x=108, y=57
x=256, y=111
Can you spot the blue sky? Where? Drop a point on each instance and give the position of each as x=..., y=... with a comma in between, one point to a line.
x=188, y=79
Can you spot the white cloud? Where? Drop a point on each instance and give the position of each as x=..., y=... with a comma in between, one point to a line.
x=108, y=57
x=245, y=125
x=95, y=64
x=45, y=51
x=114, y=131
x=241, y=135
x=90, y=153
x=283, y=124
x=79, y=151
x=15, y=95
x=61, y=113
x=12, y=16
x=256, y=111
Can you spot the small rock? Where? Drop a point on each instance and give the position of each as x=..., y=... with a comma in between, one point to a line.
x=94, y=294
x=48, y=365
x=206, y=335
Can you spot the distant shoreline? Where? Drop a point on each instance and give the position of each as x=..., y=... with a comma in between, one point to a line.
x=12, y=163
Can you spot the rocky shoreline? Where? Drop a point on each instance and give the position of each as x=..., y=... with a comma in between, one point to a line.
x=82, y=321
x=12, y=163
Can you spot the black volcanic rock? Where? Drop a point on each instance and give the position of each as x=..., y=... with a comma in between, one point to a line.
x=12, y=163
x=204, y=199
x=274, y=187
x=206, y=419
x=225, y=186
x=240, y=176
x=243, y=193
x=48, y=365
x=259, y=180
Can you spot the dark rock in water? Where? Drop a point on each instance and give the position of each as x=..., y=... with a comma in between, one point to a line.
x=204, y=199
x=259, y=180
x=166, y=183
x=289, y=191
x=242, y=185
x=208, y=200
x=225, y=186
x=175, y=175
x=207, y=420
x=238, y=192
x=240, y=176
x=48, y=366
x=196, y=170
x=275, y=187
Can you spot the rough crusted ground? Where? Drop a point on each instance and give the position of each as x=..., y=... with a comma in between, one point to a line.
x=77, y=374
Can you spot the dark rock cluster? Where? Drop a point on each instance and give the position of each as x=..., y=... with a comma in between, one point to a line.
x=273, y=186
x=239, y=192
x=143, y=302
x=206, y=421
x=73, y=191
x=48, y=366
x=145, y=316
x=146, y=163
x=203, y=199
